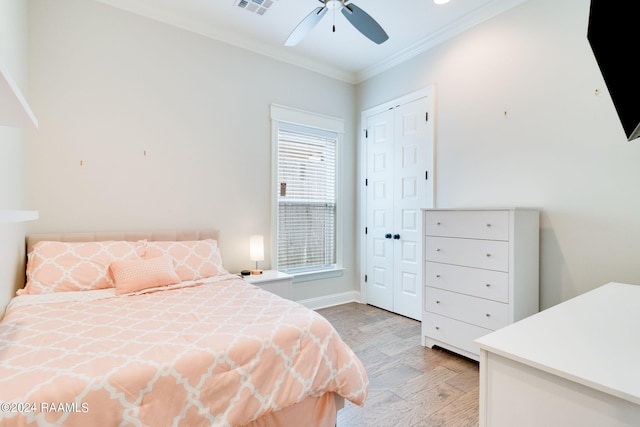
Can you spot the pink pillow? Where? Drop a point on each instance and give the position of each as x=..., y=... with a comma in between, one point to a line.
x=132, y=276
x=193, y=260
x=75, y=266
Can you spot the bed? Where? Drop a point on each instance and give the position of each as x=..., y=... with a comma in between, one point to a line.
x=149, y=329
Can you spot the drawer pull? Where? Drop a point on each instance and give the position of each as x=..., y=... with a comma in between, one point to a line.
x=438, y=250
x=437, y=327
x=488, y=255
x=488, y=225
x=437, y=276
x=488, y=315
x=438, y=302
x=437, y=223
x=488, y=285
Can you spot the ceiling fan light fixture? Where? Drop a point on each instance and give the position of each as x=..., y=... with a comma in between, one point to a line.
x=333, y=4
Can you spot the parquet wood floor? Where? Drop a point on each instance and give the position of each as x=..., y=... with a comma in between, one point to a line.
x=410, y=385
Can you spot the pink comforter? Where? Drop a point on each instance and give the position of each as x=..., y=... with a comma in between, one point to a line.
x=217, y=352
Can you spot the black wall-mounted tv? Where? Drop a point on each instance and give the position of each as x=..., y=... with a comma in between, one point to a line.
x=614, y=37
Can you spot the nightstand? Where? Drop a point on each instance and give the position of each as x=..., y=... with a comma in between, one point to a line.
x=273, y=281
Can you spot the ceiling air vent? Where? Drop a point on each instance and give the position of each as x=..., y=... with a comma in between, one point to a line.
x=255, y=6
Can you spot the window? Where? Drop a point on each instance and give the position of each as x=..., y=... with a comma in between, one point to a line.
x=306, y=196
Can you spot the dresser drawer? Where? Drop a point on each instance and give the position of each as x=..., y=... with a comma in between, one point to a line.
x=477, y=311
x=492, y=225
x=487, y=284
x=487, y=254
x=452, y=332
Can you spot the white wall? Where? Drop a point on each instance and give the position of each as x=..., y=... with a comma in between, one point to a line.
x=13, y=42
x=108, y=85
x=559, y=147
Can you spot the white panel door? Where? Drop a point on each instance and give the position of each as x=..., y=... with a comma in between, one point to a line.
x=379, y=214
x=399, y=155
x=413, y=158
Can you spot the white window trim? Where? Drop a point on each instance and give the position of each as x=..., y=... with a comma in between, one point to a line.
x=280, y=113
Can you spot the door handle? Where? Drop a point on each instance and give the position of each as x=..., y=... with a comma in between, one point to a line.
x=396, y=236
x=387, y=236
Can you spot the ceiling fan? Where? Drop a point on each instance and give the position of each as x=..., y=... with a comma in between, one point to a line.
x=356, y=16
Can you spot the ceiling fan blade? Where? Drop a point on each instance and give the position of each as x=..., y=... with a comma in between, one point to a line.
x=305, y=26
x=364, y=23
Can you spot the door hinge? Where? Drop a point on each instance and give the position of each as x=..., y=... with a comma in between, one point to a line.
x=365, y=277
x=426, y=175
x=426, y=116
x=366, y=133
x=366, y=230
x=366, y=182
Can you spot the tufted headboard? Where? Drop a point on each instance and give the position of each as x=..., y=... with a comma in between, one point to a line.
x=159, y=235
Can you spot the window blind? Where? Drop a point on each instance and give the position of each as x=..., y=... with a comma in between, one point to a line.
x=306, y=198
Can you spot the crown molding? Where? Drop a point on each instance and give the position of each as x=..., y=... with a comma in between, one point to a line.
x=455, y=28
x=233, y=39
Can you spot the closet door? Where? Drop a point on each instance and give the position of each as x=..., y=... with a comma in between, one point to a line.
x=399, y=160
x=413, y=160
x=379, y=212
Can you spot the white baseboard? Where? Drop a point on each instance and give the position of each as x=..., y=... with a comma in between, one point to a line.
x=331, y=300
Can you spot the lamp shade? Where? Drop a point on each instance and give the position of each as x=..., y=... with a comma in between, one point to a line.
x=256, y=248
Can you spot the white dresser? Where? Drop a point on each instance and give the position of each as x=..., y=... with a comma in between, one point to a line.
x=480, y=274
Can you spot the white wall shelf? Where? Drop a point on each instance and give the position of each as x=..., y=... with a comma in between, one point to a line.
x=10, y=216
x=14, y=110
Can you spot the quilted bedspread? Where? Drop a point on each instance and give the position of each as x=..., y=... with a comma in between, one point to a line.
x=217, y=352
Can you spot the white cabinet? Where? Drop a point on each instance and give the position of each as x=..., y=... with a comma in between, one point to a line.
x=573, y=364
x=276, y=282
x=480, y=273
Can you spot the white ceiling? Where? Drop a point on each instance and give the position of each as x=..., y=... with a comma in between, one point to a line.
x=413, y=26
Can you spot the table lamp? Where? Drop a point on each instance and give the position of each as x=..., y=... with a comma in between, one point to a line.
x=256, y=251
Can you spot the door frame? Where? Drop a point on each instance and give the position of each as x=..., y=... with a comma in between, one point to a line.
x=362, y=163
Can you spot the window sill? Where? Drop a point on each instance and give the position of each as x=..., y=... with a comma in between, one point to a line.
x=308, y=276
